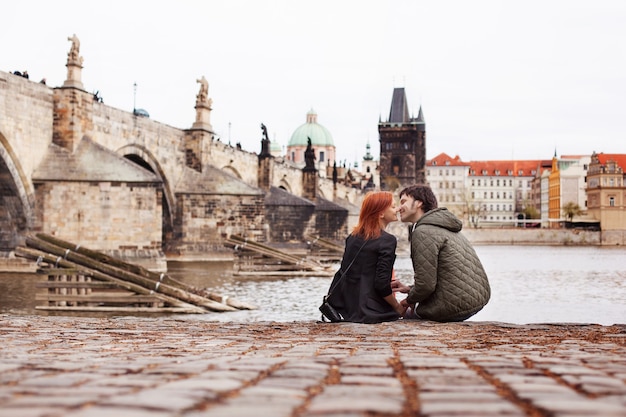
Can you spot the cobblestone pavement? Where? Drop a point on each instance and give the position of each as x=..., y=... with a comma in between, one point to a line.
x=184, y=366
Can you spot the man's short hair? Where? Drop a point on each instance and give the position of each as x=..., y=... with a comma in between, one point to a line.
x=422, y=193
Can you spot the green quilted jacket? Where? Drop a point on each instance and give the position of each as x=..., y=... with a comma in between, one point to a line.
x=450, y=281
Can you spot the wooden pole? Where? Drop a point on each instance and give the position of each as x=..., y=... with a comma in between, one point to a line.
x=146, y=273
x=34, y=254
x=127, y=276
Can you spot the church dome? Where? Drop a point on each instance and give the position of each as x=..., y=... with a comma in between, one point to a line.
x=275, y=147
x=320, y=136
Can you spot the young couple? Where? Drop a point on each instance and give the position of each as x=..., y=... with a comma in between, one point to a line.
x=450, y=283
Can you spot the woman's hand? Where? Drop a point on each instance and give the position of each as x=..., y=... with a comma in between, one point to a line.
x=400, y=309
x=397, y=286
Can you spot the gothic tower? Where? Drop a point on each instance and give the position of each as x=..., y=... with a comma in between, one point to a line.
x=402, y=146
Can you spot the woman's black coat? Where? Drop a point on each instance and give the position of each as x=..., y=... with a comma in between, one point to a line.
x=359, y=295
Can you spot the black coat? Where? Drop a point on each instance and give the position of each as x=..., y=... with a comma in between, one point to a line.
x=359, y=295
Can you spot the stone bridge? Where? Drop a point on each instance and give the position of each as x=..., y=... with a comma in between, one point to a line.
x=121, y=182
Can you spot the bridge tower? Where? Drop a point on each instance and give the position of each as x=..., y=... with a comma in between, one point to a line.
x=402, y=146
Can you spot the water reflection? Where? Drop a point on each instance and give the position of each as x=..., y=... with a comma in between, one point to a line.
x=529, y=285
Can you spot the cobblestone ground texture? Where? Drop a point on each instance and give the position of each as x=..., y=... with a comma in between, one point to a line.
x=181, y=366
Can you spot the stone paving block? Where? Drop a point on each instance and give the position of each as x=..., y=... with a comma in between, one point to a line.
x=456, y=396
x=105, y=411
x=436, y=408
x=159, y=399
x=360, y=370
x=57, y=380
x=580, y=407
x=370, y=380
x=294, y=372
x=34, y=411
x=297, y=383
x=357, y=402
x=67, y=401
x=596, y=384
x=244, y=410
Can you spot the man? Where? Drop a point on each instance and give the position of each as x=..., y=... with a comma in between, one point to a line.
x=450, y=281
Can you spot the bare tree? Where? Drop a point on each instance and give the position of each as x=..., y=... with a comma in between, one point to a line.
x=570, y=210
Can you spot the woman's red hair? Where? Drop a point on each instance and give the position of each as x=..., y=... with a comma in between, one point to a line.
x=375, y=202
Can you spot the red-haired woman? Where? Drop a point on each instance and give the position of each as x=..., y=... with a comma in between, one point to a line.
x=363, y=294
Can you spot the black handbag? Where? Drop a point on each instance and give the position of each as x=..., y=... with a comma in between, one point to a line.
x=329, y=313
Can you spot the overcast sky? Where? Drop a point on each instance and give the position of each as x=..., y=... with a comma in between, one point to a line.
x=495, y=79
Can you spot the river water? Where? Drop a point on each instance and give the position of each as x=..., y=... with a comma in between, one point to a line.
x=530, y=284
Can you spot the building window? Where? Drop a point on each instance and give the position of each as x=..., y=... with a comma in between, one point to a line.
x=395, y=166
x=612, y=201
x=321, y=156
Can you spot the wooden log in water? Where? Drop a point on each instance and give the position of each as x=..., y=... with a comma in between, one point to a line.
x=326, y=244
x=119, y=273
x=300, y=262
x=51, y=259
x=144, y=272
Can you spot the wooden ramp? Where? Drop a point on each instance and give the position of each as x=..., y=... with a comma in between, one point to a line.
x=258, y=260
x=80, y=279
x=325, y=250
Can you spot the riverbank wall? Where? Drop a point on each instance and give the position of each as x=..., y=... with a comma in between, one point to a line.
x=510, y=236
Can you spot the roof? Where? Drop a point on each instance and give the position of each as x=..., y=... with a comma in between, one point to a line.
x=399, y=112
x=444, y=159
x=326, y=205
x=90, y=162
x=279, y=197
x=213, y=181
x=620, y=159
x=512, y=168
x=320, y=136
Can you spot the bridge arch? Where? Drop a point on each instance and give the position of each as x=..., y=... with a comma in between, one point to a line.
x=16, y=198
x=285, y=185
x=232, y=170
x=144, y=158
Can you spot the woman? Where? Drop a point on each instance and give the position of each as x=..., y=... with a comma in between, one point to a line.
x=363, y=294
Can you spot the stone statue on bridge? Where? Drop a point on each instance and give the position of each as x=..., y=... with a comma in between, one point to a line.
x=203, y=94
x=265, y=142
x=73, y=56
x=203, y=106
x=309, y=155
x=74, y=64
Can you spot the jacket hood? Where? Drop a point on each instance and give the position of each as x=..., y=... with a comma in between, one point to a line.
x=441, y=217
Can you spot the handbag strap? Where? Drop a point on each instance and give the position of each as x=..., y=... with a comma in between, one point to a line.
x=343, y=273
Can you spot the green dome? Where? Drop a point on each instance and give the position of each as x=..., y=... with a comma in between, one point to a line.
x=275, y=147
x=320, y=136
